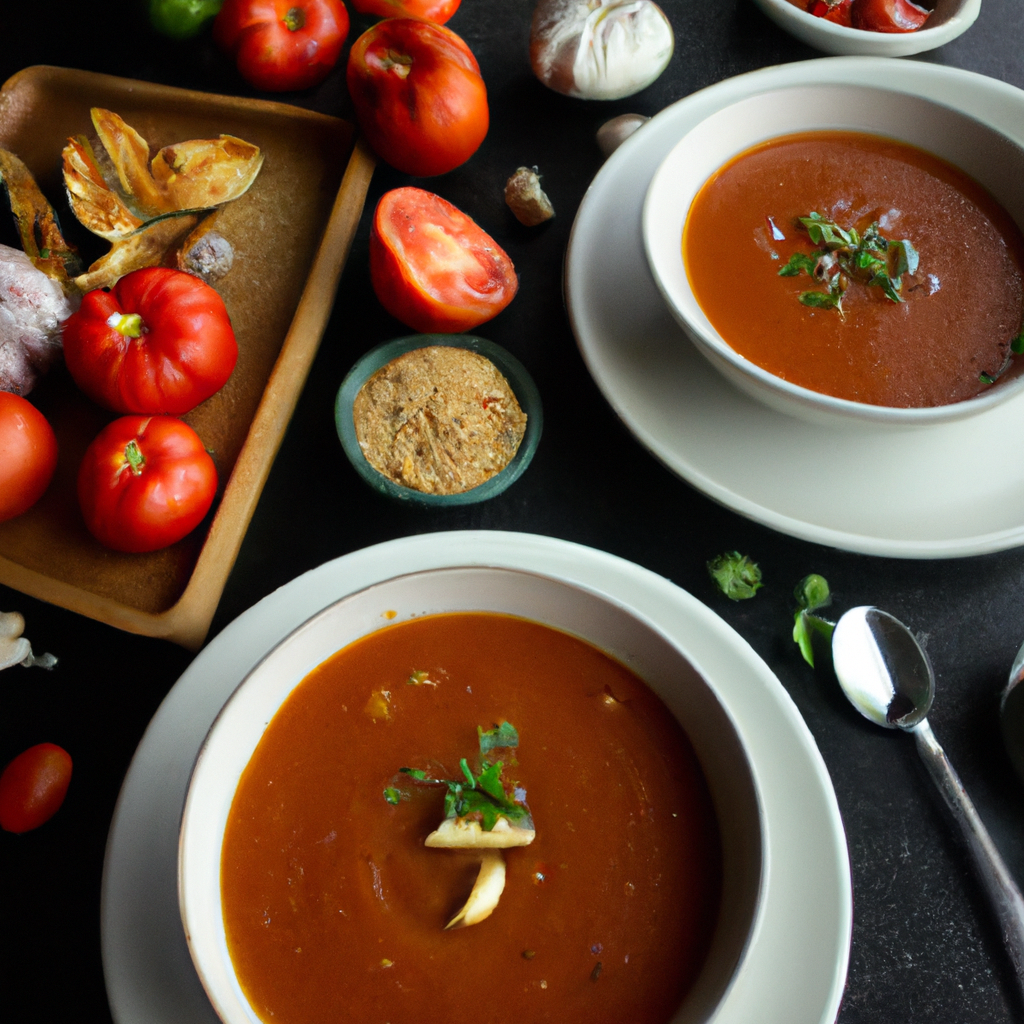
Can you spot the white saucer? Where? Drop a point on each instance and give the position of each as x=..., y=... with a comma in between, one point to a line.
x=950, y=490
x=796, y=967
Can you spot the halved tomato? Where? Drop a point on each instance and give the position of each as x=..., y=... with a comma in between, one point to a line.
x=434, y=268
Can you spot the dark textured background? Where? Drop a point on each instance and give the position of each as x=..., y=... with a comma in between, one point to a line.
x=924, y=948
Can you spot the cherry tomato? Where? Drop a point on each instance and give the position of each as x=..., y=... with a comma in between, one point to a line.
x=887, y=15
x=433, y=267
x=28, y=455
x=32, y=787
x=159, y=341
x=437, y=11
x=418, y=95
x=282, y=45
x=145, y=482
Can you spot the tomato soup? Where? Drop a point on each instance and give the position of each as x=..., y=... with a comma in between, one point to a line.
x=962, y=305
x=336, y=911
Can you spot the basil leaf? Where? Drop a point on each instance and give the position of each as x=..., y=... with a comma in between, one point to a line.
x=820, y=300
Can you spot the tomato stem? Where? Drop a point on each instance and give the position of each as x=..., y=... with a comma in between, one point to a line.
x=128, y=324
x=295, y=19
x=134, y=457
x=399, y=63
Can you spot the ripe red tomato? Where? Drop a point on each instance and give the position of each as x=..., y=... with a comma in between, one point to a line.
x=433, y=267
x=437, y=11
x=282, y=45
x=418, y=95
x=28, y=455
x=887, y=15
x=145, y=482
x=159, y=341
x=32, y=787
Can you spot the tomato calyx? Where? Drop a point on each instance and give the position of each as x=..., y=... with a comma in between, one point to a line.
x=128, y=324
x=134, y=458
x=295, y=19
x=399, y=63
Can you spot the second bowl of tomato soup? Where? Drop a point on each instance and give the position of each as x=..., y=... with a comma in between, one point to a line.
x=847, y=254
x=464, y=790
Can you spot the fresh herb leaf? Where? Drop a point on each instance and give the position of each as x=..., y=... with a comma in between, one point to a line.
x=392, y=795
x=820, y=300
x=503, y=735
x=811, y=593
x=798, y=263
x=735, y=575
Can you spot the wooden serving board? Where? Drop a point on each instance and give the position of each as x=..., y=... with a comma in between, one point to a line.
x=291, y=233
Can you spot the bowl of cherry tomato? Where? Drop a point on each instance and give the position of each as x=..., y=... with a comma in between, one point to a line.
x=873, y=28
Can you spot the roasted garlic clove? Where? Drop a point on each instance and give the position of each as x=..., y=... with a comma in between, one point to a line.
x=189, y=175
x=487, y=890
x=16, y=650
x=599, y=49
x=467, y=834
x=526, y=199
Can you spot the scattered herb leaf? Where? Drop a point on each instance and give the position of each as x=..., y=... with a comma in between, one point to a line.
x=845, y=254
x=503, y=735
x=811, y=593
x=418, y=678
x=392, y=795
x=735, y=575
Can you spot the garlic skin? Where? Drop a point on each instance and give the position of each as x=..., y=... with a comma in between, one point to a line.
x=599, y=49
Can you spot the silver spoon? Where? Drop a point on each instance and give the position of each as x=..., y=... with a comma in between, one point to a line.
x=888, y=679
x=1011, y=714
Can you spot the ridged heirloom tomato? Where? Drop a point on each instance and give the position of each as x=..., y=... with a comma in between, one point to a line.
x=418, y=95
x=437, y=11
x=145, y=482
x=33, y=786
x=28, y=455
x=434, y=268
x=159, y=341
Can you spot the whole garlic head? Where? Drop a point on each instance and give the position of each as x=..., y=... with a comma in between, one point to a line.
x=599, y=49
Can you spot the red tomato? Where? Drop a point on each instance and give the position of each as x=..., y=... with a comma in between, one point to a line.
x=28, y=455
x=282, y=45
x=418, y=95
x=836, y=12
x=159, y=341
x=437, y=11
x=434, y=268
x=33, y=786
x=888, y=15
x=145, y=482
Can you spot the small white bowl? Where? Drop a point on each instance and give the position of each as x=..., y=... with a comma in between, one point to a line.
x=613, y=627
x=982, y=152
x=950, y=19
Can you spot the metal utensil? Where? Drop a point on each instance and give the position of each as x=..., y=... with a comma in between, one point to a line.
x=888, y=679
x=1011, y=714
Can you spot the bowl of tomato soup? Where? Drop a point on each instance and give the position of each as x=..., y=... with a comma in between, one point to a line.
x=847, y=254
x=306, y=889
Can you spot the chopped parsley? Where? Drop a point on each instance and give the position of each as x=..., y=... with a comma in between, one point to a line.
x=844, y=255
x=735, y=575
x=812, y=594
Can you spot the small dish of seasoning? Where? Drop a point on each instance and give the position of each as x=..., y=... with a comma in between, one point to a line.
x=439, y=419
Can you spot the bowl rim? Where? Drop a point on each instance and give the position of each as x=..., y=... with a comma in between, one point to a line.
x=754, y=863
x=794, y=398
x=518, y=377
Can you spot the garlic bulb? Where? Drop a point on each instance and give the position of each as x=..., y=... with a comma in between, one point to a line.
x=599, y=49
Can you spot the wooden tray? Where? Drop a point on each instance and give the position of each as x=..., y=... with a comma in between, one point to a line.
x=291, y=232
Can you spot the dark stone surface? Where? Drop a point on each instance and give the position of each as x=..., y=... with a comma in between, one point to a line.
x=924, y=945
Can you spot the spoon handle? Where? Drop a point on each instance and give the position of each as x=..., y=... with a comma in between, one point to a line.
x=1002, y=891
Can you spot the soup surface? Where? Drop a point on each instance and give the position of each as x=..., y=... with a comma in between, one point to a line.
x=335, y=910
x=962, y=306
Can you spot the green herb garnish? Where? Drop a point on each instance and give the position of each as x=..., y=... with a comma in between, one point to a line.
x=844, y=255
x=503, y=735
x=811, y=593
x=735, y=575
x=392, y=795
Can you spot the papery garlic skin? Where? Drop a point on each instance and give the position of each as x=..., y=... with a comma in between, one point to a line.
x=599, y=49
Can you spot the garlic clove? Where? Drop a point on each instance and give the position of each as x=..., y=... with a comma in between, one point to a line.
x=466, y=834
x=599, y=49
x=487, y=890
x=14, y=648
x=614, y=133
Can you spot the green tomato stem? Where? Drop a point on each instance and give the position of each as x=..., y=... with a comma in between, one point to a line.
x=134, y=457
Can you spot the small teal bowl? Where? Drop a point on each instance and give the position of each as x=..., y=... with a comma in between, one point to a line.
x=514, y=372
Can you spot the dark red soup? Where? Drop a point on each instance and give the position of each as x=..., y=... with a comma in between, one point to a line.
x=335, y=910
x=946, y=341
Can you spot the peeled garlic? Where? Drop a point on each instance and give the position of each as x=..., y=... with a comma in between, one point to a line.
x=14, y=648
x=599, y=49
x=487, y=890
x=467, y=834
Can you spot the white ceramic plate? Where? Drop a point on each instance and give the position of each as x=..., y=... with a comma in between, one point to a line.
x=796, y=967
x=940, y=491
